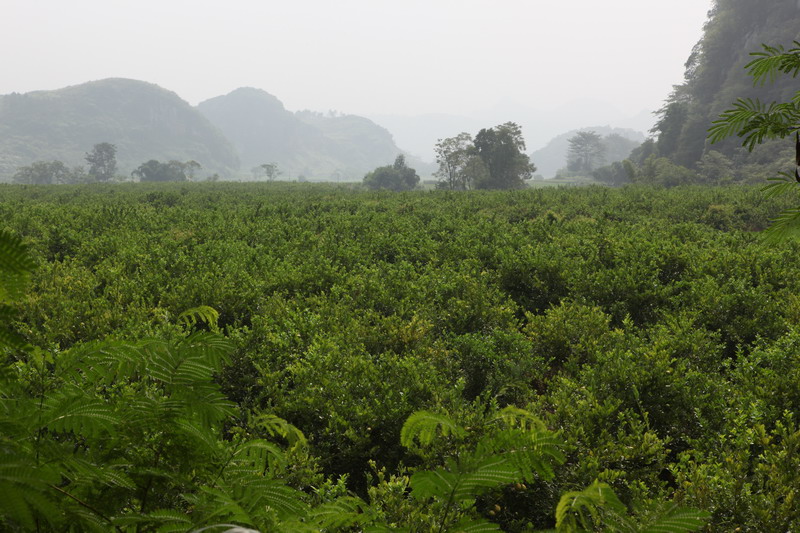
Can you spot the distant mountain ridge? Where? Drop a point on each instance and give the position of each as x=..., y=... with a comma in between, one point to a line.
x=553, y=157
x=227, y=135
x=143, y=120
x=307, y=143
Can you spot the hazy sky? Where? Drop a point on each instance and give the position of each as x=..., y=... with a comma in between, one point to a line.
x=361, y=56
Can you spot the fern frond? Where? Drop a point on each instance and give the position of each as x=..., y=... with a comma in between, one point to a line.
x=467, y=525
x=213, y=349
x=787, y=224
x=755, y=121
x=257, y=455
x=202, y=313
x=79, y=414
x=514, y=417
x=278, y=427
x=772, y=61
x=489, y=473
x=780, y=185
x=678, y=520
x=79, y=471
x=532, y=452
x=16, y=265
x=423, y=425
x=574, y=506
x=13, y=506
x=436, y=483
x=468, y=482
x=343, y=513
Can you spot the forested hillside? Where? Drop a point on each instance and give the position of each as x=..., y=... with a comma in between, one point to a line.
x=315, y=145
x=383, y=361
x=618, y=144
x=142, y=120
x=715, y=77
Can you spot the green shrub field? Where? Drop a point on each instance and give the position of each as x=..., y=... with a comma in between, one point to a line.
x=315, y=358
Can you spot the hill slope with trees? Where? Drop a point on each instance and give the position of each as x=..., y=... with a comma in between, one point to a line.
x=142, y=120
x=715, y=76
x=317, y=145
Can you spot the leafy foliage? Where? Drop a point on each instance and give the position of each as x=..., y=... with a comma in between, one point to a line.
x=650, y=327
x=396, y=177
x=755, y=122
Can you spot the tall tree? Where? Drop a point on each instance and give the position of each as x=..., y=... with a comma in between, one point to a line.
x=102, y=161
x=453, y=155
x=715, y=75
x=43, y=173
x=157, y=171
x=502, y=150
x=586, y=150
x=395, y=177
x=270, y=170
x=190, y=168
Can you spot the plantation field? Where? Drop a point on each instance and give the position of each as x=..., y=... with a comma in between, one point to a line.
x=654, y=334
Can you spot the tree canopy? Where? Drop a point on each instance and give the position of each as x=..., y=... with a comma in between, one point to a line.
x=502, y=150
x=715, y=76
x=154, y=170
x=586, y=151
x=395, y=177
x=102, y=161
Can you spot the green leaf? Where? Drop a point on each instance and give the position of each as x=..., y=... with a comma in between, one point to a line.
x=423, y=426
x=474, y=526
x=438, y=483
x=573, y=506
x=79, y=414
x=16, y=266
x=202, y=313
x=342, y=513
x=678, y=520
x=278, y=427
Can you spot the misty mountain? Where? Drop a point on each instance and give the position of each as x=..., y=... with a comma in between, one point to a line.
x=143, y=120
x=715, y=77
x=619, y=143
x=315, y=145
x=418, y=134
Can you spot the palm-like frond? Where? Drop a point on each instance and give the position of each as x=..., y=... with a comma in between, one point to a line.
x=340, y=514
x=463, y=482
x=677, y=520
x=578, y=510
x=78, y=414
x=475, y=526
x=598, y=505
x=772, y=61
x=202, y=313
x=755, y=121
x=786, y=224
x=16, y=265
x=780, y=185
x=278, y=427
x=423, y=426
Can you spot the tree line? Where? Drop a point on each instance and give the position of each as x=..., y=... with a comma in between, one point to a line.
x=102, y=168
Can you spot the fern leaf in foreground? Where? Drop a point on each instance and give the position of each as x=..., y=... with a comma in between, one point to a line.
x=423, y=425
x=16, y=266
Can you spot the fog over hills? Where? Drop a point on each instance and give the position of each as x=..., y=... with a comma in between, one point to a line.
x=553, y=157
x=418, y=134
x=306, y=143
x=235, y=133
x=143, y=120
x=228, y=135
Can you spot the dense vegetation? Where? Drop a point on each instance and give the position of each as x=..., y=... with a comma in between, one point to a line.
x=715, y=77
x=636, y=340
x=227, y=135
x=142, y=120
